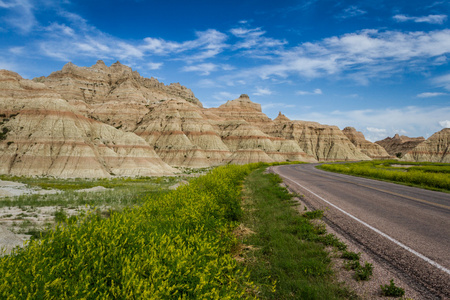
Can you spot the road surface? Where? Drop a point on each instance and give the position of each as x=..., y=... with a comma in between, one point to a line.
x=408, y=228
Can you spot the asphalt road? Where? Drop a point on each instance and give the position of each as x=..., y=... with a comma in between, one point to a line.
x=408, y=228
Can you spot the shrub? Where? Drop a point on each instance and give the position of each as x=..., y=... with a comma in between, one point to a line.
x=350, y=255
x=364, y=273
x=390, y=290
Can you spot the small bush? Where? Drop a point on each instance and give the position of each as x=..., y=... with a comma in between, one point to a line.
x=390, y=290
x=364, y=273
x=350, y=255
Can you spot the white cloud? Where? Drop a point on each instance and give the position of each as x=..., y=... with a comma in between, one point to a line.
x=262, y=91
x=206, y=68
x=352, y=11
x=429, y=95
x=154, y=66
x=376, y=130
x=225, y=96
x=432, y=19
x=277, y=105
x=377, y=124
x=445, y=124
x=443, y=81
x=254, y=42
x=17, y=50
x=208, y=83
x=20, y=14
x=315, y=92
x=360, y=56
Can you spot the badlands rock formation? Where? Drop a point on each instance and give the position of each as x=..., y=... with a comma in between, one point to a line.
x=43, y=134
x=241, y=128
x=103, y=121
x=399, y=145
x=435, y=149
x=323, y=142
x=370, y=149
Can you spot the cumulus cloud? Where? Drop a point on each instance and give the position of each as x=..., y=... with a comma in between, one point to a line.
x=359, y=56
x=432, y=19
x=445, y=123
x=315, y=92
x=429, y=95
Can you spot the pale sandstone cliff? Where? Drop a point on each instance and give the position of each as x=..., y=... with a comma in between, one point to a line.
x=43, y=134
x=435, y=149
x=59, y=125
x=323, y=142
x=399, y=145
x=115, y=95
x=370, y=149
x=242, y=129
x=182, y=135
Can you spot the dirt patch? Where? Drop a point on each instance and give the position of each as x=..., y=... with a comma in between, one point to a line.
x=404, y=166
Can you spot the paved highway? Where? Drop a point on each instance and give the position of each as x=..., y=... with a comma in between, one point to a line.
x=409, y=228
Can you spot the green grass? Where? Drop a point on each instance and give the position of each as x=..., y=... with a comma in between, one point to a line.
x=81, y=183
x=433, y=176
x=122, y=191
x=177, y=245
x=289, y=260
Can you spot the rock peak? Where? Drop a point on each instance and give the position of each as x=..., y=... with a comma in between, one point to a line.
x=281, y=118
x=243, y=102
x=100, y=64
x=69, y=66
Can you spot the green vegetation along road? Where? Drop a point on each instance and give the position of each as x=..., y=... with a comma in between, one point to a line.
x=405, y=226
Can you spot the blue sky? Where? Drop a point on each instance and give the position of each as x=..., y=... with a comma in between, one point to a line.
x=380, y=66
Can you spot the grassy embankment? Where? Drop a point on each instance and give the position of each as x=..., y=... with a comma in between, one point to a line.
x=434, y=176
x=288, y=259
x=176, y=245
x=181, y=244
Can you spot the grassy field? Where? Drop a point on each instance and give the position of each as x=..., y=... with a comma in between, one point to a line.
x=287, y=257
x=32, y=214
x=434, y=176
x=176, y=245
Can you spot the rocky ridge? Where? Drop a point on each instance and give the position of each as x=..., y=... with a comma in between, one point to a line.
x=43, y=134
x=435, y=149
x=399, y=145
x=103, y=121
x=370, y=149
